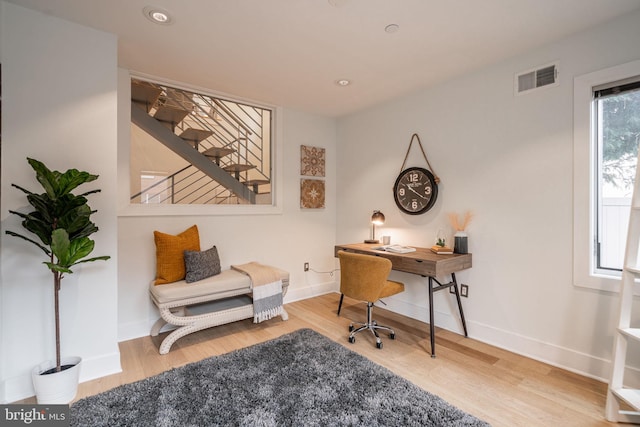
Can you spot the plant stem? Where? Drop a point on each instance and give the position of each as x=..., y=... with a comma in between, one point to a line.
x=56, y=286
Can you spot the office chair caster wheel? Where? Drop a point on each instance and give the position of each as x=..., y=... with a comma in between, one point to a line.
x=350, y=328
x=392, y=336
x=379, y=344
x=352, y=339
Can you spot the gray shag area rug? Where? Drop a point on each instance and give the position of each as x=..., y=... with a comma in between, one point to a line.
x=299, y=379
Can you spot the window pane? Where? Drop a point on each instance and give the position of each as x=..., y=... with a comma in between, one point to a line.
x=156, y=188
x=618, y=132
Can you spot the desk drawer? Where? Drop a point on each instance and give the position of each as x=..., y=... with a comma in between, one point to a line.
x=422, y=262
x=416, y=266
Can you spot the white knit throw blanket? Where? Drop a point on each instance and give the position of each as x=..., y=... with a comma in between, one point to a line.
x=267, y=290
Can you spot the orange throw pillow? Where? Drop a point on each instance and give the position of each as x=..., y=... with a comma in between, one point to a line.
x=170, y=254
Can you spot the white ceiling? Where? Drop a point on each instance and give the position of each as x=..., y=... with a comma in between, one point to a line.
x=291, y=52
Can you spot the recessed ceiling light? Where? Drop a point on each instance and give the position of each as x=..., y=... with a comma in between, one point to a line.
x=337, y=3
x=343, y=82
x=157, y=15
x=392, y=28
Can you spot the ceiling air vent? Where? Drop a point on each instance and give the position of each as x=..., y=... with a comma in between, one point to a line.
x=536, y=78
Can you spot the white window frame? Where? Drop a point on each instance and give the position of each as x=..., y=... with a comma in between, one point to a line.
x=126, y=208
x=585, y=273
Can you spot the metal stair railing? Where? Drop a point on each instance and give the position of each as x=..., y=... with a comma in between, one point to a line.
x=232, y=125
x=232, y=129
x=248, y=129
x=172, y=184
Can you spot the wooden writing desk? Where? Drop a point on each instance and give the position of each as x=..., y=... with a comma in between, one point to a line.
x=426, y=264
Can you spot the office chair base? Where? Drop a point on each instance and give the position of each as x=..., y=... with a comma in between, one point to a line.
x=371, y=326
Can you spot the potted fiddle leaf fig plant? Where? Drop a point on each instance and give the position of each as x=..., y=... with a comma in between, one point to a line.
x=60, y=226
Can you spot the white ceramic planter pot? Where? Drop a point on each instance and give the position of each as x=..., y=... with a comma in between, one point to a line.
x=58, y=387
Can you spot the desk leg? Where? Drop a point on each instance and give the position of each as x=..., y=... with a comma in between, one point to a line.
x=432, y=332
x=432, y=329
x=455, y=288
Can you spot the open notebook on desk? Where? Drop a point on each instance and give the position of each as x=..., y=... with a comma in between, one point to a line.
x=398, y=249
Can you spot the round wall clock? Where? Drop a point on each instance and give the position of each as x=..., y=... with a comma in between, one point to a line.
x=415, y=190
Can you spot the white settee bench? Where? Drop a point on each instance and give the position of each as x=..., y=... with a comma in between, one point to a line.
x=214, y=301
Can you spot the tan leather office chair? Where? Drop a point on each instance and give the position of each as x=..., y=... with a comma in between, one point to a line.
x=364, y=277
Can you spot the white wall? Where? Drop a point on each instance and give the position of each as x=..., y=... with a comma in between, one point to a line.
x=508, y=159
x=59, y=84
x=286, y=239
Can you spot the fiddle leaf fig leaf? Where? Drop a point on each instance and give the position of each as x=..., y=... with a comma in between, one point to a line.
x=58, y=184
x=73, y=178
x=60, y=246
x=56, y=267
x=69, y=253
x=79, y=249
x=45, y=177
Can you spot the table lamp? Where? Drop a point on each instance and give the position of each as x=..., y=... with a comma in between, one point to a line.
x=376, y=219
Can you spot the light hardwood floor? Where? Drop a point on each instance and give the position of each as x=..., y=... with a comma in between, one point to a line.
x=495, y=385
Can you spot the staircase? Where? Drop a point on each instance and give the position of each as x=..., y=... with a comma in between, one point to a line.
x=623, y=403
x=225, y=144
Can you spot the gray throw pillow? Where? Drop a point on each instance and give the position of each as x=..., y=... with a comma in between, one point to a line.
x=200, y=265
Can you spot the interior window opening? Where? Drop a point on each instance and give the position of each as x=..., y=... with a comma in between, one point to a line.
x=214, y=150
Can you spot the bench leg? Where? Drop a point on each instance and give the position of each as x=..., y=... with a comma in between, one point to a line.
x=166, y=344
x=190, y=324
x=160, y=323
x=284, y=315
x=155, y=329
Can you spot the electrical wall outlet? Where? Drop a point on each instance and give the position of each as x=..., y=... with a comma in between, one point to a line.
x=464, y=291
x=306, y=266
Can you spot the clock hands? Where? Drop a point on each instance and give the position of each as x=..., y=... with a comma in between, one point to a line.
x=418, y=194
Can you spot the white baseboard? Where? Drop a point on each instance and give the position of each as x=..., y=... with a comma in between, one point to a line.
x=97, y=367
x=132, y=330
x=421, y=313
x=21, y=386
x=297, y=294
x=17, y=388
x=554, y=355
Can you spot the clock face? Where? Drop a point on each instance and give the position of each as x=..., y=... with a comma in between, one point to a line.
x=415, y=190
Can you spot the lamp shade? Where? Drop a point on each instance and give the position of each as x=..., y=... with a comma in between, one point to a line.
x=377, y=218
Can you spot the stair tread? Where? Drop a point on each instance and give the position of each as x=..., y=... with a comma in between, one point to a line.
x=257, y=182
x=170, y=114
x=195, y=135
x=218, y=152
x=634, y=269
x=631, y=332
x=238, y=167
x=145, y=93
x=629, y=395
